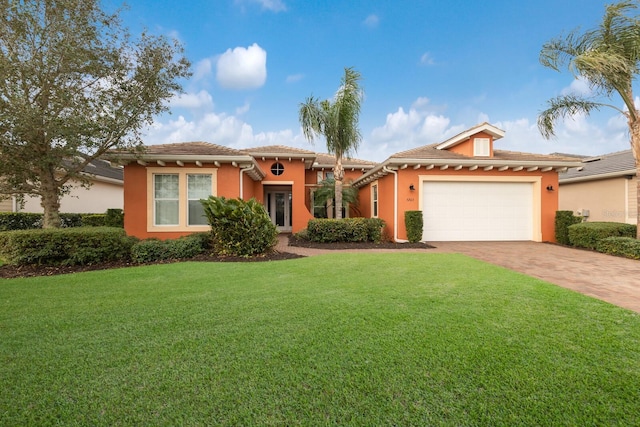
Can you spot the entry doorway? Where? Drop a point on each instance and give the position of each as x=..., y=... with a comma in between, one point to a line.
x=278, y=203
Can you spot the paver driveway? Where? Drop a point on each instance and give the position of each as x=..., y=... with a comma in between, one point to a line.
x=609, y=278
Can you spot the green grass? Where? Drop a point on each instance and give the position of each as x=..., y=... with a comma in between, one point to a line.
x=367, y=339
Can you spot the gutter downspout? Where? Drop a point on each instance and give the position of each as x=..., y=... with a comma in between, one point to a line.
x=243, y=170
x=395, y=204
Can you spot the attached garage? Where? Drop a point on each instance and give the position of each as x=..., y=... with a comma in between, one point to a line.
x=472, y=210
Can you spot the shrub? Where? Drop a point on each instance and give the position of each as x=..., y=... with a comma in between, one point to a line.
x=563, y=220
x=93, y=220
x=624, y=246
x=587, y=234
x=345, y=230
x=414, y=223
x=151, y=250
x=238, y=227
x=64, y=246
x=19, y=221
x=114, y=218
x=70, y=220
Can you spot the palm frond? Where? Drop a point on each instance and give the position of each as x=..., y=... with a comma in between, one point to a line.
x=312, y=118
x=562, y=107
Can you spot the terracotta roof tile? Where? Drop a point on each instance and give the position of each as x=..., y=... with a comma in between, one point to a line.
x=329, y=159
x=278, y=149
x=197, y=148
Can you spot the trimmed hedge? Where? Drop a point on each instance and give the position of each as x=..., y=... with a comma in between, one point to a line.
x=345, y=230
x=30, y=221
x=64, y=246
x=413, y=222
x=150, y=250
x=587, y=234
x=564, y=219
x=239, y=227
x=623, y=246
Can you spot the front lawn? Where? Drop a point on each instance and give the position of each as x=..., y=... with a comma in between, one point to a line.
x=343, y=339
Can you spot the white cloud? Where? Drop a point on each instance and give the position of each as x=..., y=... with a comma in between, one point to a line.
x=200, y=100
x=427, y=59
x=371, y=21
x=242, y=110
x=272, y=5
x=202, y=69
x=242, y=68
x=293, y=78
x=578, y=86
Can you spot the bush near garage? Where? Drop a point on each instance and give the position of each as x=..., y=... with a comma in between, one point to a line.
x=64, y=246
x=152, y=250
x=239, y=227
x=627, y=247
x=563, y=220
x=588, y=234
x=323, y=230
x=414, y=224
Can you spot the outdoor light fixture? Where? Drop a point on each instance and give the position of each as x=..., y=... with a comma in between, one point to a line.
x=549, y=187
x=411, y=187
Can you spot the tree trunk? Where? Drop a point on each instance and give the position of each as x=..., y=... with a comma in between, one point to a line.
x=338, y=174
x=634, y=128
x=50, y=201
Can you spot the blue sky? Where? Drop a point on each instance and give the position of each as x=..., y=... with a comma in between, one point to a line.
x=430, y=69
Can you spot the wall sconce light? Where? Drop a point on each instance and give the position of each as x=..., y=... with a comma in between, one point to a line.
x=411, y=187
x=549, y=187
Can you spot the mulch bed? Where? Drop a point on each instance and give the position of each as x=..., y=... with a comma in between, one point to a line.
x=13, y=271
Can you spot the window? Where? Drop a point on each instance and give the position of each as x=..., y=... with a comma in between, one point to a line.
x=481, y=147
x=166, y=196
x=173, y=198
x=198, y=187
x=329, y=175
x=374, y=201
x=277, y=168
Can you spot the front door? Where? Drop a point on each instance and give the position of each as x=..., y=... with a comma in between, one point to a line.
x=279, y=208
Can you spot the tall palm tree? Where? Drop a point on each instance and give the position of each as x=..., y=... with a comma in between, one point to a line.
x=326, y=194
x=337, y=121
x=608, y=59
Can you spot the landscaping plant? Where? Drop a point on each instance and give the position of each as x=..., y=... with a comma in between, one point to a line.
x=414, y=223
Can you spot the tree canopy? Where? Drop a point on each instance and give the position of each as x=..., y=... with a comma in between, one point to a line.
x=608, y=59
x=75, y=84
x=336, y=120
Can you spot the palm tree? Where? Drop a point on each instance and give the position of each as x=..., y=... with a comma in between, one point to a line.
x=608, y=58
x=326, y=193
x=337, y=121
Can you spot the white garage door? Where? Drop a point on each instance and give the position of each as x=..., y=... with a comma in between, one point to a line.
x=459, y=211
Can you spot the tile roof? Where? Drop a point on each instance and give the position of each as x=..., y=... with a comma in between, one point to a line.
x=329, y=159
x=612, y=164
x=103, y=168
x=430, y=152
x=192, y=148
x=279, y=149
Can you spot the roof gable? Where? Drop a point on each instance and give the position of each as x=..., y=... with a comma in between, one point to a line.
x=467, y=134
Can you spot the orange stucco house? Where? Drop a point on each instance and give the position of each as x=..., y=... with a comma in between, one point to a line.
x=466, y=189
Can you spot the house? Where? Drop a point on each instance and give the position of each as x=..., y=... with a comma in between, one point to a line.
x=465, y=188
x=604, y=188
x=105, y=192
x=164, y=184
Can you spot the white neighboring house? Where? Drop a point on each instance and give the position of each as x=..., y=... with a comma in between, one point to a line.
x=106, y=192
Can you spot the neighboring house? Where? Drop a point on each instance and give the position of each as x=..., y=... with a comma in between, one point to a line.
x=164, y=184
x=604, y=188
x=465, y=188
x=106, y=192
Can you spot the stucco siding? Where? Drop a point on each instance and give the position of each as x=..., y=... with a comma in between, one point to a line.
x=6, y=205
x=606, y=199
x=632, y=200
x=96, y=199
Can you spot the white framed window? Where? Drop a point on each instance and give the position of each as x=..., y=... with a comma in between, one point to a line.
x=329, y=175
x=173, y=198
x=374, y=200
x=198, y=187
x=481, y=147
x=166, y=196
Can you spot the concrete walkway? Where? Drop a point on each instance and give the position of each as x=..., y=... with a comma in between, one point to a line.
x=609, y=278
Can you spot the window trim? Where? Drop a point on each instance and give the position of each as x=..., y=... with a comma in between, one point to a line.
x=375, y=199
x=183, y=200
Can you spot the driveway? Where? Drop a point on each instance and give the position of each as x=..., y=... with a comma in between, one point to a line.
x=609, y=278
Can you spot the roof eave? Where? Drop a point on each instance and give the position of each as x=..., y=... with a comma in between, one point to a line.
x=597, y=177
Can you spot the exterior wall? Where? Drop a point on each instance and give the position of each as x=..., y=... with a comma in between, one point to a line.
x=96, y=199
x=137, y=192
x=466, y=148
x=6, y=205
x=410, y=199
x=294, y=175
x=609, y=200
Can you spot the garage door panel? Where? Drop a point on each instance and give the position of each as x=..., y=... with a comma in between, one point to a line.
x=477, y=211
